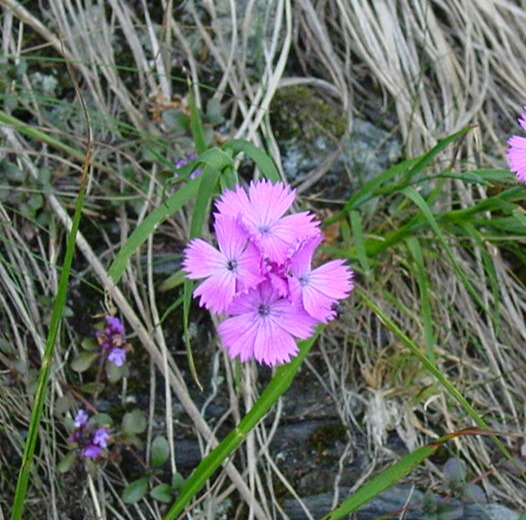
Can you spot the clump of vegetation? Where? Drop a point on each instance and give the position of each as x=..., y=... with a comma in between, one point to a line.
x=110, y=160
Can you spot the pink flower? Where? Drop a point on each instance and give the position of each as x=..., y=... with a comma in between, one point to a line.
x=234, y=267
x=318, y=289
x=264, y=325
x=516, y=153
x=261, y=213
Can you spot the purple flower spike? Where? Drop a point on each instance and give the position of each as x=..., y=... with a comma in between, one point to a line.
x=111, y=339
x=516, y=153
x=114, y=326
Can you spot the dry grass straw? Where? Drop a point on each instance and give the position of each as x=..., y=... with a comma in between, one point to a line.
x=433, y=66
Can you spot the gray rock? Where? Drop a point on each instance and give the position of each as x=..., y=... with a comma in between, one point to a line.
x=398, y=498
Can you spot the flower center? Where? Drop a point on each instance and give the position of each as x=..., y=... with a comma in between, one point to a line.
x=264, y=310
x=232, y=265
x=264, y=229
x=304, y=280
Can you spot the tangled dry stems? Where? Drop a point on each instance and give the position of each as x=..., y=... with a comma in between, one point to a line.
x=432, y=67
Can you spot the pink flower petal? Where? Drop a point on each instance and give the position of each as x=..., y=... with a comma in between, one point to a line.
x=516, y=155
x=320, y=288
x=201, y=259
x=217, y=291
x=233, y=203
x=279, y=239
x=265, y=326
x=268, y=202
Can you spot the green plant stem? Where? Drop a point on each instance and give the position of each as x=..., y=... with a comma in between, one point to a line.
x=206, y=468
x=430, y=366
x=43, y=376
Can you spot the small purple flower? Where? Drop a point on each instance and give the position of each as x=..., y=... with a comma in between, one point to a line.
x=100, y=437
x=90, y=442
x=516, y=153
x=91, y=451
x=97, y=442
x=81, y=419
x=114, y=326
x=182, y=161
x=117, y=356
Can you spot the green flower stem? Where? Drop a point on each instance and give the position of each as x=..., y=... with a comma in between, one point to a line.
x=206, y=468
x=43, y=376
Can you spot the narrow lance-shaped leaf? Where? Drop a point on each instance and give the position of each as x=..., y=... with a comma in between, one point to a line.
x=277, y=386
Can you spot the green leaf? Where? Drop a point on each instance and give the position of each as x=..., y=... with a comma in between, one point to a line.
x=196, y=125
x=380, y=483
x=83, y=361
x=177, y=481
x=67, y=461
x=36, y=201
x=424, y=289
x=64, y=403
x=214, y=112
x=116, y=373
x=382, y=184
x=176, y=120
x=148, y=225
x=174, y=280
x=263, y=161
x=90, y=344
x=275, y=389
x=162, y=492
x=59, y=303
x=102, y=419
x=134, y=422
x=135, y=491
x=92, y=388
x=215, y=159
x=160, y=451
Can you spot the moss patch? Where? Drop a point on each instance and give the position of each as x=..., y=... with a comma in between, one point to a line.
x=301, y=113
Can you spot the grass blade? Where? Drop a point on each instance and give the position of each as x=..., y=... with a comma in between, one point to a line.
x=396, y=472
x=423, y=284
x=277, y=386
x=47, y=359
x=262, y=160
x=215, y=159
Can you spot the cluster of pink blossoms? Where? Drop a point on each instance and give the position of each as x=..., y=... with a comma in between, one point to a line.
x=261, y=277
x=517, y=151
